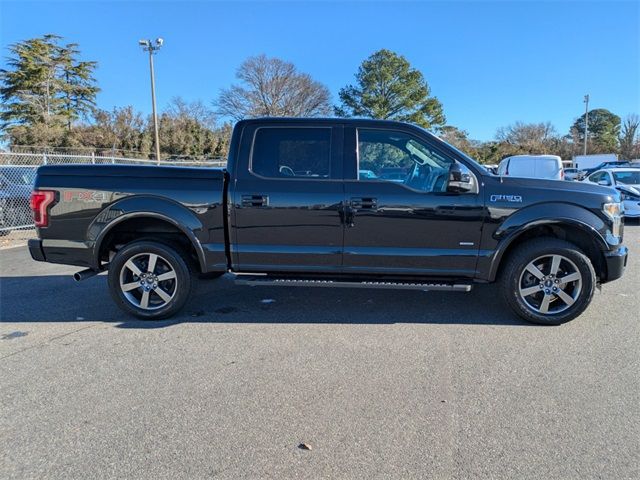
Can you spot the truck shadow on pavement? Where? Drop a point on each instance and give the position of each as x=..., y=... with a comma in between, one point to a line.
x=57, y=298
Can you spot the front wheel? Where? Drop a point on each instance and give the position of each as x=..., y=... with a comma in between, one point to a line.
x=150, y=280
x=548, y=281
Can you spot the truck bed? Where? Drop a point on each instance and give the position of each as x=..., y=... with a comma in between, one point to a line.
x=93, y=199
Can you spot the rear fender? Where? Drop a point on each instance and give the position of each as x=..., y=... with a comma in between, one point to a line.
x=146, y=207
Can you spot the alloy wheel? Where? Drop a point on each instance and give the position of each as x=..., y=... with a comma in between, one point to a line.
x=550, y=284
x=148, y=281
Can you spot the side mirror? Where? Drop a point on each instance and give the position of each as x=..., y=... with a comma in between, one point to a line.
x=460, y=179
x=604, y=183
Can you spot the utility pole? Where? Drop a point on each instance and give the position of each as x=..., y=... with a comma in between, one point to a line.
x=586, y=121
x=152, y=47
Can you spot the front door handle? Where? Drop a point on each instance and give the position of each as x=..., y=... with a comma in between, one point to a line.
x=364, y=203
x=255, y=200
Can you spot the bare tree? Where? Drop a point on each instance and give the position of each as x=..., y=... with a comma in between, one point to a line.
x=630, y=137
x=197, y=111
x=529, y=137
x=274, y=88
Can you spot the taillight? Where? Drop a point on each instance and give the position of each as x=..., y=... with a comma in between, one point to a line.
x=40, y=202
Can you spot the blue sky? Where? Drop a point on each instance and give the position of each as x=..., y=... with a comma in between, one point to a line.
x=489, y=63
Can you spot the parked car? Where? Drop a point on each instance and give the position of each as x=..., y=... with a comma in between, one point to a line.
x=588, y=171
x=532, y=166
x=448, y=225
x=625, y=180
x=571, y=174
x=16, y=184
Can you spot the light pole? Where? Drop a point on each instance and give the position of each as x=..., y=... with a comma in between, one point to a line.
x=586, y=121
x=152, y=47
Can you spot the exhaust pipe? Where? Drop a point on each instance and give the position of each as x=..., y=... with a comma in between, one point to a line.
x=88, y=273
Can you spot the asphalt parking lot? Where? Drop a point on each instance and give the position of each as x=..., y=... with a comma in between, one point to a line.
x=380, y=384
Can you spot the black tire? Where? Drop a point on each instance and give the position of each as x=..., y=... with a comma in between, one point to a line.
x=164, y=297
x=519, y=276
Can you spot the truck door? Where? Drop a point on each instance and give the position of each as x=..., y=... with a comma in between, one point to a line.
x=287, y=198
x=404, y=221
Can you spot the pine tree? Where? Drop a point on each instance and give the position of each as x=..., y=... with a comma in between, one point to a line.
x=389, y=88
x=44, y=89
x=79, y=87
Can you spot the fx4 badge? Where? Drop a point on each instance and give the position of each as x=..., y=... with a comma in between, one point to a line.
x=84, y=196
x=506, y=198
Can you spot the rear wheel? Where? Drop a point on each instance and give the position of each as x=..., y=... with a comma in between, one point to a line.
x=150, y=280
x=548, y=281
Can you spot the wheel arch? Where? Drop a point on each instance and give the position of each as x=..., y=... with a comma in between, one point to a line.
x=164, y=219
x=581, y=234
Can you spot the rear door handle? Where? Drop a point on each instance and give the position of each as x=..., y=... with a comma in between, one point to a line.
x=255, y=200
x=364, y=203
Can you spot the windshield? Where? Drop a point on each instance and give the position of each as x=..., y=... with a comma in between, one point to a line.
x=628, y=178
x=462, y=154
x=467, y=157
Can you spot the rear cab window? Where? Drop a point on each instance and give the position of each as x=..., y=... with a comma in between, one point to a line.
x=292, y=153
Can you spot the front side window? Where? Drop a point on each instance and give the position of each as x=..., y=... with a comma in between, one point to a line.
x=599, y=177
x=283, y=152
x=400, y=158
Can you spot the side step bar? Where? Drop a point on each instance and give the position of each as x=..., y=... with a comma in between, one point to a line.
x=292, y=282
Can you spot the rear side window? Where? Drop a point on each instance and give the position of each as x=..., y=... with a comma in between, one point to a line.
x=292, y=153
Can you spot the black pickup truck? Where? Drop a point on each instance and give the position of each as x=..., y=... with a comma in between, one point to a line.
x=331, y=203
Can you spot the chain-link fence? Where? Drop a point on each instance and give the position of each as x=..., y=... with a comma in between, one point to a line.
x=18, y=172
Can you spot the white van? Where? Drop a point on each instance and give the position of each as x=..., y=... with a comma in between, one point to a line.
x=583, y=162
x=532, y=166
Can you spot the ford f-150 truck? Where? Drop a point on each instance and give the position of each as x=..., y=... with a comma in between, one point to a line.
x=291, y=209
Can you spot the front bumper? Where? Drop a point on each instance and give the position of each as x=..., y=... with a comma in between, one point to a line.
x=35, y=249
x=616, y=262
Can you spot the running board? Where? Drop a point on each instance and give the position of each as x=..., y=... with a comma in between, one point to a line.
x=292, y=282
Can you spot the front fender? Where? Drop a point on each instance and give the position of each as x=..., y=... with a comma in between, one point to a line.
x=534, y=216
x=150, y=207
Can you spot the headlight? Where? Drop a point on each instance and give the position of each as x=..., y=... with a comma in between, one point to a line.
x=614, y=211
